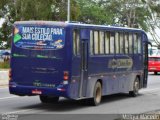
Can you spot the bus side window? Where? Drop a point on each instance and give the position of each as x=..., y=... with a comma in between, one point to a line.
x=107, y=42
x=91, y=42
x=135, y=43
x=126, y=43
x=139, y=43
x=130, y=43
x=117, y=42
x=121, y=43
x=101, y=42
x=76, y=45
x=96, y=39
x=112, y=37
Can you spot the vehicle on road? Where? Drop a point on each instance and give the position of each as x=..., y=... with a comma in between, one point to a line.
x=154, y=64
x=77, y=61
x=4, y=55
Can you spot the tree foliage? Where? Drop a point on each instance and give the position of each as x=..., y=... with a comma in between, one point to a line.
x=131, y=13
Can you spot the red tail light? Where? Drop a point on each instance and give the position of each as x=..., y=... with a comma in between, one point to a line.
x=66, y=75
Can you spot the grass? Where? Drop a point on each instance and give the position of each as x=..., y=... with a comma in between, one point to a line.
x=4, y=65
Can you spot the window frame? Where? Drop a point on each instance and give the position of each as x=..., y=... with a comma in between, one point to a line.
x=130, y=43
x=96, y=50
x=117, y=42
x=76, y=44
x=113, y=42
x=121, y=41
x=101, y=42
x=126, y=43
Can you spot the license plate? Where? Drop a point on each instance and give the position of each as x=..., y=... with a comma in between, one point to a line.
x=38, y=92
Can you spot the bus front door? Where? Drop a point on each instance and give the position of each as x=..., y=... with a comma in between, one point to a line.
x=84, y=65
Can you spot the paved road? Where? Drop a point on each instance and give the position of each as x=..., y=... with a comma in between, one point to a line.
x=147, y=101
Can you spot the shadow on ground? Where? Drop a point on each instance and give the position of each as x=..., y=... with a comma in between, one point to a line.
x=67, y=105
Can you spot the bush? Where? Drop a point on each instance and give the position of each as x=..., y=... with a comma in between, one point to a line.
x=4, y=65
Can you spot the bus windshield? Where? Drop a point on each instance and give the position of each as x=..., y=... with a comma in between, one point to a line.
x=39, y=37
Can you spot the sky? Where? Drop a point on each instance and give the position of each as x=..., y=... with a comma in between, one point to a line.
x=157, y=30
x=1, y=21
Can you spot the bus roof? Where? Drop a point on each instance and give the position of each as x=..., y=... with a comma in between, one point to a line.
x=63, y=24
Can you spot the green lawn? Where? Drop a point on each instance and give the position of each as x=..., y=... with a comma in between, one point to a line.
x=4, y=65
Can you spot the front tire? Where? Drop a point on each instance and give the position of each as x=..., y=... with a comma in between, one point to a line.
x=48, y=99
x=136, y=86
x=97, y=94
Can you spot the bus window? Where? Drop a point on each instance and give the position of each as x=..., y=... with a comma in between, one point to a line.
x=112, y=36
x=126, y=43
x=91, y=42
x=117, y=42
x=139, y=43
x=135, y=43
x=107, y=39
x=96, y=42
x=130, y=44
x=101, y=42
x=76, y=42
x=121, y=43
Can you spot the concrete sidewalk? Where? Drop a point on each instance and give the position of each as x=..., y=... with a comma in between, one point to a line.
x=4, y=77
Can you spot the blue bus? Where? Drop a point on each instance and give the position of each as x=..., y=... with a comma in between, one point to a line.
x=76, y=61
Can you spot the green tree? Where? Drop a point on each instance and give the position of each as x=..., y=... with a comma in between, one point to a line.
x=154, y=20
x=91, y=12
x=5, y=36
x=55, y=10
x=131, y=13
x=6, y=30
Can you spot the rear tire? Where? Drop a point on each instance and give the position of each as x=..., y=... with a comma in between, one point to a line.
x=97, y=94
x=136, y=86
x=48, y=99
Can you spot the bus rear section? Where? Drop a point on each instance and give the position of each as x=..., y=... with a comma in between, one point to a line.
x=39, y=64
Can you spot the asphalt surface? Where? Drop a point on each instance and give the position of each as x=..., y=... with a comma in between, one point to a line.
x=112, y=107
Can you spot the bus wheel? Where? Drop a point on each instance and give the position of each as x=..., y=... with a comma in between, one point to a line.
x=136, y=86
x=48, y=99
x=97, y=94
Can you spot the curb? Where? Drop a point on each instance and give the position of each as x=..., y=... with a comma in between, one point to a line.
x=4, y=79
x=1, y=69
x=154, y=112
x=4, y=83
